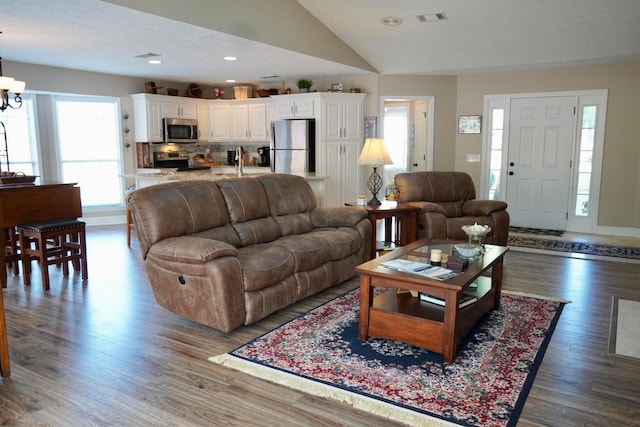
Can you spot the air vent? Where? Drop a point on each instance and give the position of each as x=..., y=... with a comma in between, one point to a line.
x=432, y=17
x=148, y=55
x=269, y=77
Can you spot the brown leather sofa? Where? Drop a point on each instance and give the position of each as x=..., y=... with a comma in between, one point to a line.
x=230, y=252
x=447, y=201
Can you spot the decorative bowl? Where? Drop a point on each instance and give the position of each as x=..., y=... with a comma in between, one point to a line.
x=476, y=230
x=468, y=250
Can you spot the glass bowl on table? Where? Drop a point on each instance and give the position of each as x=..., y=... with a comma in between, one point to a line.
x=476, y=233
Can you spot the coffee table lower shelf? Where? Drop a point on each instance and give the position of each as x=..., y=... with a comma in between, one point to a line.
x=408, y=319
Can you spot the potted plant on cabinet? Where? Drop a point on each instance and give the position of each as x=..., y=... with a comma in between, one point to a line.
x=304, y=85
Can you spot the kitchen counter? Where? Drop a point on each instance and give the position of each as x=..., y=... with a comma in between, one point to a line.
x=147, y=177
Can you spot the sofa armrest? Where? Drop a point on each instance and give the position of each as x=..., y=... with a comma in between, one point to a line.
x=429, y=207
x=482, y=207
x=340, y=216
x=191, y=249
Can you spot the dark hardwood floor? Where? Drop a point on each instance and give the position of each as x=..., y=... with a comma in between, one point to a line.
x=104, y=353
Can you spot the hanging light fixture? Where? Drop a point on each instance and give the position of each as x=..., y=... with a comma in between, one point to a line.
x=9, y=84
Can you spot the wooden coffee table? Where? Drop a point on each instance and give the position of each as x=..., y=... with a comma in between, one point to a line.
x=403, y=317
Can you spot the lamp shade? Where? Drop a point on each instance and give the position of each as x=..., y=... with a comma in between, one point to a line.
x=374, y=153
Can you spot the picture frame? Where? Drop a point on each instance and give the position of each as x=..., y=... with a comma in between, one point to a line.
x=370, y=126
x=470, y=124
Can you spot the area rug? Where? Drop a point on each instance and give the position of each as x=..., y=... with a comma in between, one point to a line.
x=319, y=353
x=537, y=231
x=574, y=247
x=624, y=332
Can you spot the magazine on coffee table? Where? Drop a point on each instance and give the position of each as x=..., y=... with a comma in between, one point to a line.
x=405, y=265
x=438, y=273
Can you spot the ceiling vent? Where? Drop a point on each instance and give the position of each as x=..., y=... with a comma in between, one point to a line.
x=432, y=17
x=148, y=55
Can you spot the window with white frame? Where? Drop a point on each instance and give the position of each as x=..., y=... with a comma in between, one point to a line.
x=21, y=154
x=88, y=139
x=585, y=156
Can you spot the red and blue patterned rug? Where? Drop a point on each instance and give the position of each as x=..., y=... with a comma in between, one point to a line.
x=319, y=353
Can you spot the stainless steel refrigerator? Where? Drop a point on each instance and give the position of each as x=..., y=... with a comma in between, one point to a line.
x=293, y=148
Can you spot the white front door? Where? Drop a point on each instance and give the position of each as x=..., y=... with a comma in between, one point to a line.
x=539, y=161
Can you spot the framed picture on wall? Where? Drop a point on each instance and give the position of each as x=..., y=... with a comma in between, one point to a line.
x=370, y=125
x=469, y=124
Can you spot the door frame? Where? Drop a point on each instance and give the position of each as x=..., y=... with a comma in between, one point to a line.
x=430, y=119
x=583, y=224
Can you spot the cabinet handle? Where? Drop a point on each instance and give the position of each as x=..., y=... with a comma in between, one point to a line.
x=292, y=109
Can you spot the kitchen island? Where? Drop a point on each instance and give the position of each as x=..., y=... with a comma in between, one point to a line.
x=147, y=177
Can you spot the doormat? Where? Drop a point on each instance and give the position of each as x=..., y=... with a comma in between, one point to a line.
x=574, y=247
x=624, y=330
x=319, y=353
x=538, y=231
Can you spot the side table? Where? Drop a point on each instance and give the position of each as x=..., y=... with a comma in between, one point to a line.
x=406, y=221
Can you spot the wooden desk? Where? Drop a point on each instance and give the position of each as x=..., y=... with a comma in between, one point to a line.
x=406, y=216
x=31, y=203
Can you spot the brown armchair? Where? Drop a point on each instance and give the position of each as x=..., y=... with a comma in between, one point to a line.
x=448, y=201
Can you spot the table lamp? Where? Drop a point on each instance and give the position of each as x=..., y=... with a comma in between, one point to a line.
x=374, y=153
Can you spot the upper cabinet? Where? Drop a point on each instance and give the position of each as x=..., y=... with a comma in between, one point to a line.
x=342, y=117
x=219, y=122
x=180, y=109
x=249, y=122
x=147, y=118
x=292, y=108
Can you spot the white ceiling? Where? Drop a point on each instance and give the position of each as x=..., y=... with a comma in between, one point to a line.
x=93, y=35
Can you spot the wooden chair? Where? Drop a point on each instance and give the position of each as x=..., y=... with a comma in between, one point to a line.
x=54, y=242
x=12, y=250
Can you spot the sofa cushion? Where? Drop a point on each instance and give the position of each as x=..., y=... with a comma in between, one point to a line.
x=309, y=250
x=290, y=200
x=342, y=241
x=265, y=264
x=249, y=210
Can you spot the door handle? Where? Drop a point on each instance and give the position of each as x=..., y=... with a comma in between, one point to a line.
x=512, y=164
x=510, y=172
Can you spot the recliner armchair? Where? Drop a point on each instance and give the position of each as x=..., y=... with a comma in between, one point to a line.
x=447, y=201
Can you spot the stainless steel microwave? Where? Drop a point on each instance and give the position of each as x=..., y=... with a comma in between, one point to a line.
x=180, y=131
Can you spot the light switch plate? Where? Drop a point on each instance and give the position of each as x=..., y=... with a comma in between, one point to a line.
x=473, y=158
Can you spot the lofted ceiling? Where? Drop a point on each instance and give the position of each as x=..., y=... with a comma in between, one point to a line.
x=278, y=40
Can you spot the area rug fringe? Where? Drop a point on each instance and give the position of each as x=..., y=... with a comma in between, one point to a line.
x=537, y=296
x=363, y=403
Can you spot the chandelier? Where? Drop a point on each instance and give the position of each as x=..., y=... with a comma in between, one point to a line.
x=9, y=84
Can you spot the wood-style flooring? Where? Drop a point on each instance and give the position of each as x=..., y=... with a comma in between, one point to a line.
x=105, y=354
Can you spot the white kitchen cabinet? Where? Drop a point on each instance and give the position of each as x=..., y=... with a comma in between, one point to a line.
x=249, y=122
x=219, y=122
x=147, y=118
x=342, y=172
x=342, y=117
x=295, y=108
x=182, y=109
x=202, y=114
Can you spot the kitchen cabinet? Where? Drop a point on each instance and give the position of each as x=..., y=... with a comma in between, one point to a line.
x=202, y=114
x=342, y=117
x=147, y=118
x=249, y=122
x=339, y=139
x=295, y=108
x=179, y=109
x=342, y=172
x=219, y=122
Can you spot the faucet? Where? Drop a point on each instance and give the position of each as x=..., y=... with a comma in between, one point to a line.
x=239, y=159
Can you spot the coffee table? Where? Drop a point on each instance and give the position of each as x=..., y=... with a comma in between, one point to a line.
x=401, y=316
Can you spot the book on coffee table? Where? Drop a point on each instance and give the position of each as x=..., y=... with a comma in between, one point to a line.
x=464, y=301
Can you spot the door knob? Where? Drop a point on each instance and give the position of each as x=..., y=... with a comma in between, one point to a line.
x=512, y=164
x=510, y=172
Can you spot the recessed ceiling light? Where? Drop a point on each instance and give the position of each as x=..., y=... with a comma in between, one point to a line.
x=231, y=81
x=230, y=58
x=155, y=61
x=391, y=21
